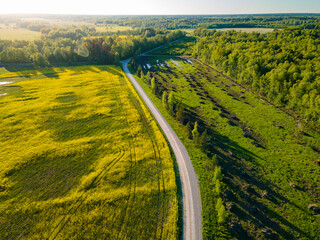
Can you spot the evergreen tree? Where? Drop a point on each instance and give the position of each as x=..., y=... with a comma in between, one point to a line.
x=165, y=99
x=221, y=211
x=142, y=76
x=171, y=103
x=218, y=188
x=154, y=86
x=139, y=71
x=211, y=164
x=217, y=175
x=180, y=113
x=189, y=130
x=195, y=134
x=148, y=77
x=203, y=141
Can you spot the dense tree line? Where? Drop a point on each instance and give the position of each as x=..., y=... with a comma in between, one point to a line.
x=309, y=21
x=283, y=66
x=67, y=45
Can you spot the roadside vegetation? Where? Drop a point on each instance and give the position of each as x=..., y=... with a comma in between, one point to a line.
x=269, y=161
x=81, y=157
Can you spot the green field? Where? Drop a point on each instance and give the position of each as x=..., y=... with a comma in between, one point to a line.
x=13, y=33
x=112, y=28
x=178, y=48
x=247, y=30
x=82, y=158
x=267, y=157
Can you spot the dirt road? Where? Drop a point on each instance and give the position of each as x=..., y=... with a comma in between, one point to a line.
x=192, y=226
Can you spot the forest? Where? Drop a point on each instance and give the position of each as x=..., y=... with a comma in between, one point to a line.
x=66, y=45
x=309, y=21
x=282, y=66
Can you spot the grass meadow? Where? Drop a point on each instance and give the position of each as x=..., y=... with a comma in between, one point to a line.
x=13, y=33
x=268, y=159
x=112, y=28
x=82, y=158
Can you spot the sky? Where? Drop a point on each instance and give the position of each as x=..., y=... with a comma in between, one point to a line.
x=159, y=7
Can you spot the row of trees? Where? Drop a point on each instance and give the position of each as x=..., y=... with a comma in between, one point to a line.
x=283, y=66
x=76, y=45
x=201, y=140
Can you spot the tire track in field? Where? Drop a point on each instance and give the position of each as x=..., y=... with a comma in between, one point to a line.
x=157, y=157
x=74, y=207
x=132, y=157
x=133, y=161
x=141, y=113
x=97, y=179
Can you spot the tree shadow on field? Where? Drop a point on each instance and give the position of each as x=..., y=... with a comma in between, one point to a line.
x=52, y=174
x=245, y=178
x=247, y=181
x=48, y=72
x=98, y=69
x=20, y=67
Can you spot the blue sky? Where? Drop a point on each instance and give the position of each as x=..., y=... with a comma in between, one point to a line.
x=150, y=7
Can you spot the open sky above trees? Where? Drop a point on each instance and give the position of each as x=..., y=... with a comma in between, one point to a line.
x=151, y=7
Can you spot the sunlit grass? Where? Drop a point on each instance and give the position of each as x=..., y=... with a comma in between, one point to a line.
x=14, y=33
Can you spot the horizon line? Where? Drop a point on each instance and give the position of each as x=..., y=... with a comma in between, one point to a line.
x=178, y=14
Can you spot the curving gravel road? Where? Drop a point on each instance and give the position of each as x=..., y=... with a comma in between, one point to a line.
x=192, y=226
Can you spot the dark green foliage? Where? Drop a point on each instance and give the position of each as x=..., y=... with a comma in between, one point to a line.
x=39, y=61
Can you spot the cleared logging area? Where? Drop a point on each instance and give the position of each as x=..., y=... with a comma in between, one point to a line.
x=81, y=157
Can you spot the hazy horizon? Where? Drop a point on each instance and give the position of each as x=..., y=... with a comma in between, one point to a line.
x=165, y=7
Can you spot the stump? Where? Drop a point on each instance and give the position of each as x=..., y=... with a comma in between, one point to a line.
x=314, y=207
x=293, y=185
